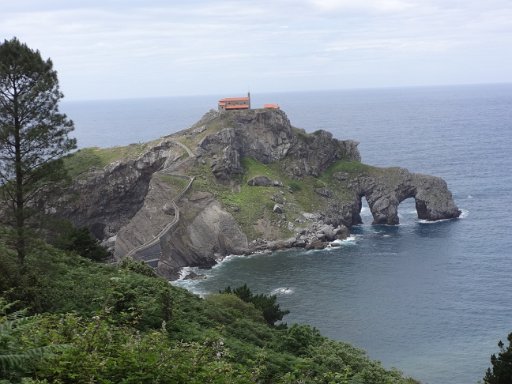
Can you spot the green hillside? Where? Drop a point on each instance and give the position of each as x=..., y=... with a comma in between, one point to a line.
x=87, y=322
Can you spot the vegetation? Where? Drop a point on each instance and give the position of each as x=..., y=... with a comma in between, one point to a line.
x=33, y=134
x=81, y=241
x=87, y=159
x=89, y=322
x=501, y=372
x=266, y=304
x=252, y=204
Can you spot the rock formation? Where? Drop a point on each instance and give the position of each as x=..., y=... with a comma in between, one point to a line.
x=267, y=136
x=384, y=193
x=193, y=197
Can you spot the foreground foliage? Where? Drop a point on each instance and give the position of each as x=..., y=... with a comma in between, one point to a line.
x=501, y=372
x=99, y=323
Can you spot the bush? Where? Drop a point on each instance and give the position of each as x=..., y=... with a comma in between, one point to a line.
x=16, y=359
x=81, y=241
x=299, y=339
x=271, y=311
x=501, y=372
x=139, y=267
x=294, y=186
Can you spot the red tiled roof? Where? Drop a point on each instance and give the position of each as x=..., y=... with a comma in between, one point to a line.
x=234, y=99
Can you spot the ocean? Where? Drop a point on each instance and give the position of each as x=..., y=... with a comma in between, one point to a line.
x=431, y=299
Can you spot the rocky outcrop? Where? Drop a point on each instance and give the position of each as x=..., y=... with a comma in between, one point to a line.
x=385, y=189
x=267, y=136
x=150, y=208
x=314, y=152
x=105, y=200
x=205, y=235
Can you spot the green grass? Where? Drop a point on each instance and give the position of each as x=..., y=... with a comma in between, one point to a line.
x=253, y=167
x=87, y=159
x=248, y=204
x=352, y=168
x=177, y=182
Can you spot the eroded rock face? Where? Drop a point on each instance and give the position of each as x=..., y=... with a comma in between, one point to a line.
x=267, y=136
x=105, y=200
x=313, y=153
x=156, y=212
x=386, y=190
x=206, y=233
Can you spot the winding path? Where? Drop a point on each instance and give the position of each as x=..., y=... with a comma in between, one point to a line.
x=167, y=170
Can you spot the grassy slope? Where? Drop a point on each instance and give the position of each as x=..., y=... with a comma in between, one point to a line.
x=248, y=204
x=88, y=159
x=123, y=326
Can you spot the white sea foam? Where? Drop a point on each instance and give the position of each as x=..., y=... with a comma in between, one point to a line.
x=423, y=221
x=463, y=213
x=365, y=211
x=349, y=240
x=282, y=291
x=185, y=271
x=227, y=259
x=338, y=243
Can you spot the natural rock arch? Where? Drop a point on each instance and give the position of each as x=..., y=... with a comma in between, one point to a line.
x=384, y=191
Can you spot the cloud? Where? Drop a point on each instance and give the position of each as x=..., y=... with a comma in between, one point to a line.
x=128, y=47
x=376, y=6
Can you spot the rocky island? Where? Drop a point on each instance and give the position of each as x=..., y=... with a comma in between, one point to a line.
x=236, y=182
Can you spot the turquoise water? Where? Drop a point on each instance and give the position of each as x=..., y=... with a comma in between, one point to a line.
x=430, y=299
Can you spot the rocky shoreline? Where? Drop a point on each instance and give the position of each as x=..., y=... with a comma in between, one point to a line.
x=238, y=182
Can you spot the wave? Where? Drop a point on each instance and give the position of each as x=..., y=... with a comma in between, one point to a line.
x=226, y=259
x=185, y=271
x=464, y=213
x=351, y=240
x=282, y=291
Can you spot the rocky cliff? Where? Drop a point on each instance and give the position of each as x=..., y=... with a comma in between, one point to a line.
x=238, y=182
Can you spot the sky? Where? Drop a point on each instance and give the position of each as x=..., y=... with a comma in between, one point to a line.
x=110, y=49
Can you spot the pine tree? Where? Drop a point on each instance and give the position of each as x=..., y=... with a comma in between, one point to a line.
x=501, y=372
x=33, y=133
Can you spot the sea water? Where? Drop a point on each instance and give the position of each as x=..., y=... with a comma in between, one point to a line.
x=430, y=299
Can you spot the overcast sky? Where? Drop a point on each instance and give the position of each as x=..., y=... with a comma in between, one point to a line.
x=149, y=48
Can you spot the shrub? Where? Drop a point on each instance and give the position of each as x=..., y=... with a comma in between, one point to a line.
x=271, y=311
x=501, y=372
x=81, y=241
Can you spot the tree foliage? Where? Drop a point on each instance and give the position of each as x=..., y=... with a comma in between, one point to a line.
x=501, y=372
x=81, y=241
x=271, y=311
x=33, y=133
